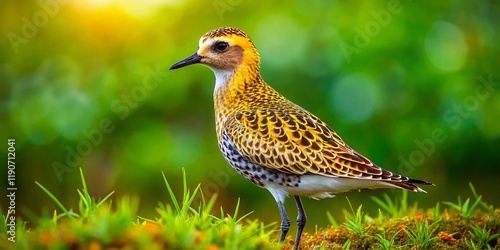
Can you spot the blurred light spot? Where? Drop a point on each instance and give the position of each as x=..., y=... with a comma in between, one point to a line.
x=31, y=112
x=280, y=41
x=27, y=106
x=135, y=8
x=48, y=103
x=445, y=46
x=72, y=113
x=355, y=98
x=99, y=3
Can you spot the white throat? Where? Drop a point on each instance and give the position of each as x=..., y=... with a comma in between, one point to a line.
x=221, y=77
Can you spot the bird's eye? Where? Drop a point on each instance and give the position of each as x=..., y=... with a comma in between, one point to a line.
x=221, y=46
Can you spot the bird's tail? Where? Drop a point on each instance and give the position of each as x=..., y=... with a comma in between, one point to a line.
x=411, y=184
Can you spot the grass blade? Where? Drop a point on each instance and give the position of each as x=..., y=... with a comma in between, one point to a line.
x=171, y=193
x=58, y=203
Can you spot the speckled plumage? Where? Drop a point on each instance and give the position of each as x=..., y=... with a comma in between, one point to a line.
x=273, y=142
x=225, y=32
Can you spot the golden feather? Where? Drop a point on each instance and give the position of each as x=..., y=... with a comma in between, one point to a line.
x=290, y=139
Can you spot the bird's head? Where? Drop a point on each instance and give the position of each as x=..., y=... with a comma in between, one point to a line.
x=224, y=50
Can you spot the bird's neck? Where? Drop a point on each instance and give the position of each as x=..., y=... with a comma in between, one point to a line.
x=233, y=91
x=231, y=87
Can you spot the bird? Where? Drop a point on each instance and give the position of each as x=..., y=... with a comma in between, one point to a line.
x=275, y=143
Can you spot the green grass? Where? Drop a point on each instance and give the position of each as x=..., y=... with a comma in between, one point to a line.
x=395, y=208
x=385, y=242
x=423, y=234
x=482, y=238
x=466, y=208
x=181, y=225
x=354, y=221
x=187, y=222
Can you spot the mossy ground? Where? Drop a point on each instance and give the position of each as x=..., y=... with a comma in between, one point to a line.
x=451, y=231
x=182, y=224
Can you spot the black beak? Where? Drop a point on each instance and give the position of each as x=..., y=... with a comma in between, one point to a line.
x=194, y=58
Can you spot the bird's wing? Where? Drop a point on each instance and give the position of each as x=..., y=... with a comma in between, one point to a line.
x=298, y=143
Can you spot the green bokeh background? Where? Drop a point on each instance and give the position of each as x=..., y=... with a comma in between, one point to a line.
x=86, y=84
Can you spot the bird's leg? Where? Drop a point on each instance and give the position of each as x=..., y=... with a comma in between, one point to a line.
x=285, y=222
x=301, y=221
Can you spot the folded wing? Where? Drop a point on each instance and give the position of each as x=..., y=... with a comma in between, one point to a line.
x=300, y=143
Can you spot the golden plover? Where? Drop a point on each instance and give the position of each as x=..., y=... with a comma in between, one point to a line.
x=273, y=142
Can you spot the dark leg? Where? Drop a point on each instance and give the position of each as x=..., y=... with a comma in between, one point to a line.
x=301, y=221
x=285, y=222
